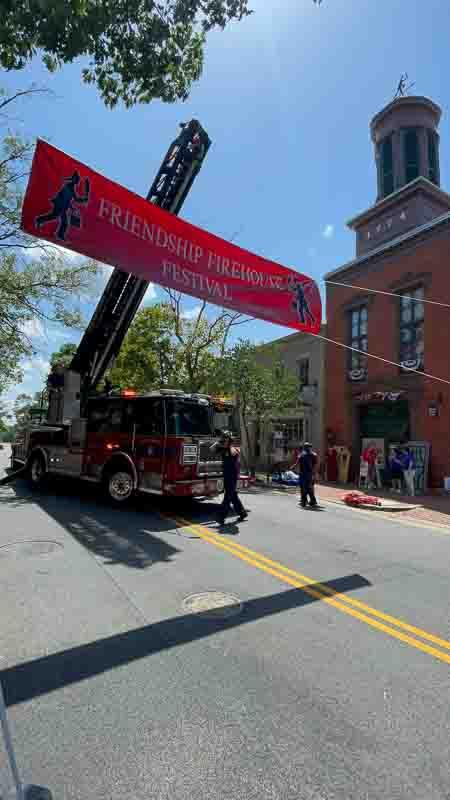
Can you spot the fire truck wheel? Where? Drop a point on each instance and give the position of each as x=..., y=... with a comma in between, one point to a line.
x=37, y=472
x=119, y=485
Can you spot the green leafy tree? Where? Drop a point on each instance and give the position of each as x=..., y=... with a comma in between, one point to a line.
x=64, y=355
x=6, y=426
x=24, y=405
x=165, y=347
x=38, y=284
x=259, y=390
x=138, y=50
x=147, y=358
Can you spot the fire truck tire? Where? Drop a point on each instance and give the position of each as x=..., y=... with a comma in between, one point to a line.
x=36, y=471
x=119, y=484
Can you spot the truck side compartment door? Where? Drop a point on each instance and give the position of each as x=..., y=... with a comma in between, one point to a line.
x=109, y=430
x=149, y=442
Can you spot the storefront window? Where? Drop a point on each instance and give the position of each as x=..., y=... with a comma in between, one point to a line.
x=292, y=430
x=412, y=327
x=358, y=337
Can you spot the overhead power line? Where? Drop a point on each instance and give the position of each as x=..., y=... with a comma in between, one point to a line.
x=389, y=294
x=380, y=358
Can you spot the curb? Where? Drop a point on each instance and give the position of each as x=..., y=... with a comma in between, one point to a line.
x=369, y=507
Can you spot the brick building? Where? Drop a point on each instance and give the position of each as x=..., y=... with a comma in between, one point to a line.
x=403, y=249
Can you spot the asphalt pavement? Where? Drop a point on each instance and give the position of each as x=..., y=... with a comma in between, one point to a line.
x=324, y=677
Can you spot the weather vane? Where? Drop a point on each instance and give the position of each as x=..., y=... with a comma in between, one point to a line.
x=403, y=86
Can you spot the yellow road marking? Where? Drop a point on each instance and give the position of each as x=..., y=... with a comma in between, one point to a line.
x=322, y=592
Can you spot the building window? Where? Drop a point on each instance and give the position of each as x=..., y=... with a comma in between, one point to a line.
x=386, y=166
x=412, y=314
x=432, y=157
x=358, y=338
x=303, y=372
x=411, y=145
x=292, y=431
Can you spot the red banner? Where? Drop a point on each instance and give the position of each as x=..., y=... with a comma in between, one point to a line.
x=71, y=204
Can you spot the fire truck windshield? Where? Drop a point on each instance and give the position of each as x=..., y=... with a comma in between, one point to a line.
x=185, y=418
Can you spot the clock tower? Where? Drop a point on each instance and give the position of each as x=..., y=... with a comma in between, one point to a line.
x=406, y=143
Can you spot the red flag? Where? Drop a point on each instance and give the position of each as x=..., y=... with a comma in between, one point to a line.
x=71, y=204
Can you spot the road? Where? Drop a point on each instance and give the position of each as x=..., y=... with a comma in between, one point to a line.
x=117, y=688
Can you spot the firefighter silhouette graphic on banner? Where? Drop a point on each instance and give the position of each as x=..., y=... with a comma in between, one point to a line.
x=64, y=206
x=300, y=303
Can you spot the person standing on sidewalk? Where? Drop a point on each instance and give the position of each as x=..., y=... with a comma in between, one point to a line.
x=396, y=468
x=231, y=467
x=370, y=456
x=409, y=470
x=307, y=467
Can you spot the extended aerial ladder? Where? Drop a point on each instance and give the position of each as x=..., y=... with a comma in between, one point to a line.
x=123, y=293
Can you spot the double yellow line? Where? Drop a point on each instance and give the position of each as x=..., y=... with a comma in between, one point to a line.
x=409, y=634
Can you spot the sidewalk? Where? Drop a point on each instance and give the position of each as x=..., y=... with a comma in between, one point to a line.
x=423, y=510
x=426, y=509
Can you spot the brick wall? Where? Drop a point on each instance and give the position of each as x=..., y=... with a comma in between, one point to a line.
x=426, y=261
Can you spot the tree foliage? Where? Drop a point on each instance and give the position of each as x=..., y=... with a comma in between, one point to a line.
x=64, y=355
x=6, y=426
x=24, y=405
x=138, y=50
x=167, y=347
x=37, y=282
x=259, y=389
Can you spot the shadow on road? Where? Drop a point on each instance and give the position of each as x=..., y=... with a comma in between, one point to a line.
x=119, y=536
x=50, y=673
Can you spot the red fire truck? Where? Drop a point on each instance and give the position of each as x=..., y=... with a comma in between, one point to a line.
x=158, y=443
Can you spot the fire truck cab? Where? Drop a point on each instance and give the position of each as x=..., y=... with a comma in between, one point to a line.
x=157, y=443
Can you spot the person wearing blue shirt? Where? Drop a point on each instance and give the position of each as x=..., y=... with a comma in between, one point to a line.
x=396, y=470
x=409, y=470
x=231, y=468
x=307, y=466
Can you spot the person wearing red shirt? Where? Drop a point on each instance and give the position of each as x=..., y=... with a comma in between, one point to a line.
x=370, y=456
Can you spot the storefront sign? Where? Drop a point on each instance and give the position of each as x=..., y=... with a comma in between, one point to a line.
x=70, y=204
x=381, y=396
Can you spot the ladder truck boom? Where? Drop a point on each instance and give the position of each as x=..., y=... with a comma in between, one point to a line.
x=123, y=293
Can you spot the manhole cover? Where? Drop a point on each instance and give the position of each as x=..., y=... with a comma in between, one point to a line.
x=29, y=549
x=216, y=605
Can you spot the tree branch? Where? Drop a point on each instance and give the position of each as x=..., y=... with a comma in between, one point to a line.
x=23, y=93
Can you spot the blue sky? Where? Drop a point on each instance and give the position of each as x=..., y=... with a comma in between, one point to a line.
x=286, y=97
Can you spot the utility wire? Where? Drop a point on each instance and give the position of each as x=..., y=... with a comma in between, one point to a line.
x=379, y=358
x=389, y=294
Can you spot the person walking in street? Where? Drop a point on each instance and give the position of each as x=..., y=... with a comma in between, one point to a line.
x=307, y=468
x=231, y=467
